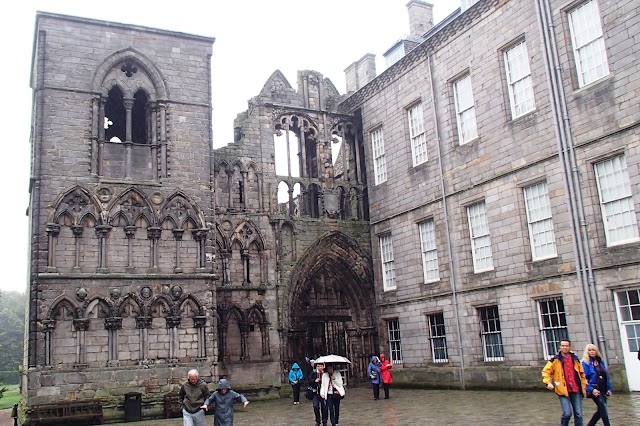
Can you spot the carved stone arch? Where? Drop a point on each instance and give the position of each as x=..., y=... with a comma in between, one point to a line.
x=245, y=233
x=60, y=303
x=181, y=207
x=75, y=201
x=100, y=307
x=130, y=306
x=116, y=84
x=222, y=163
x=235, y=312
x=277, y=82
x=133, y=203
x=240, y=165
x=168, y=222
x=297, y=123
x=256, y=315
x=147, y=65
x=222, y=239
x=190, y=306
x=120, y=219
x=330, y=299
x=160, y=306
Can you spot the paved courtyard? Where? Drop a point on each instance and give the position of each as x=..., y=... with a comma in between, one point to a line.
x=420, y=407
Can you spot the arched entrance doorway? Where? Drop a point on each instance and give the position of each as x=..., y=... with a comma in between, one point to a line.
x=330, y=305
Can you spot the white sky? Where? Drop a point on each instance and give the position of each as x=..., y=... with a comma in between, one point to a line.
x=253, y=39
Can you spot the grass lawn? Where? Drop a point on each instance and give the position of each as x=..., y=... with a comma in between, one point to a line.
x=11, y=396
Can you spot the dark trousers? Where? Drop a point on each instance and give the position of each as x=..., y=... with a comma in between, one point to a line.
x=296, y=392
x=602, y=412
x=385, y=386
x=376, y=390
x=333, y=403
x=320, y=407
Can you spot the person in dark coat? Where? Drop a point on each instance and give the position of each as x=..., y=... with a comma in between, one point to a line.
x=192, y=395
x=598, y=383
x=223, y=399
x=373, y=371
x=314, y=381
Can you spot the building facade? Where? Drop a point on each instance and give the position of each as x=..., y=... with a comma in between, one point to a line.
x=502, y=156
x=463, y=211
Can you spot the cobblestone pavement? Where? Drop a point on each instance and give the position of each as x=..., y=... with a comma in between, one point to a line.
x=420, y=407
x=427, y=407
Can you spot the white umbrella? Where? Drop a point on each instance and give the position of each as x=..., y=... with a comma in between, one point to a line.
x=332, y=359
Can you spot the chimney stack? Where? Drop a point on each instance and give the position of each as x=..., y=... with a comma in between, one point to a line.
x=360, y=72
x=420, y=17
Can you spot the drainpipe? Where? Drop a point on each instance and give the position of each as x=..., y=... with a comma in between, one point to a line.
x=584, y=270
x=452, y=269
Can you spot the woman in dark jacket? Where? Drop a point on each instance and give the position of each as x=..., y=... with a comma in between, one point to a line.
x=319, y=405
x=598, y=383
x=373, y=371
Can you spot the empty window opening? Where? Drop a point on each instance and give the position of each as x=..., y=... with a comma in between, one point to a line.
x=115, y=117
x=139, y=118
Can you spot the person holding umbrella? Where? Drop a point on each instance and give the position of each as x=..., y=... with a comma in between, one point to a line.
x=332, y=390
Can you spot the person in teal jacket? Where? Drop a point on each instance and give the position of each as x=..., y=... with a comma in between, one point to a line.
x=598, y=383
x=295, y=378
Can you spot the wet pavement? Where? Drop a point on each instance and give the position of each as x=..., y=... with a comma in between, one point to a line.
x=427, y=407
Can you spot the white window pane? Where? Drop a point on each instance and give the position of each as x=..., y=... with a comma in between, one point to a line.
x=588, y=43
x=429, y=251
x=379, y=160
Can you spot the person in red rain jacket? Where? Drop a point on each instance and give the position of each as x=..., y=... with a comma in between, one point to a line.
x=385, y=372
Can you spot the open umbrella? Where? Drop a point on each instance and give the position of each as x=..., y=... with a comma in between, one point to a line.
x=332, y=359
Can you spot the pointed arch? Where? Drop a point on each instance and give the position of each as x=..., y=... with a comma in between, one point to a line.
x=130, y=306
x=74, y=202
x=62, y=305
x=276, y=82
x=99, y=307
x=133, y=204
x=247, y=232
x=182, y=208
x=130, y=54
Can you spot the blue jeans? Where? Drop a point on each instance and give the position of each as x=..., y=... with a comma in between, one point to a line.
x=602, y=412
x=193, y=419
x=572, y=403
x=320, y=407
x=333, y=403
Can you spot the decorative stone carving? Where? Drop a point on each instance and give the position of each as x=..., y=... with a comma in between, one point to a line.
x=145, y=292
x=115, y=293
x=81, y=294
x=176, y=292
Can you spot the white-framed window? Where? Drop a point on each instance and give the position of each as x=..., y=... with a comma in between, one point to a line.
x=465, y=110
x=417, y=135
x=395, y=344
x=480, y=239
x=540, y=222
x=466, y=4
x=516, y=62
x=629, y=310
x=616, y=201
x=395, y=55
x=379, y=161
x=429, y=251
x=588, y=43
x=388, y=270
x=553, y=325
x=438, y=338
x=491, y=334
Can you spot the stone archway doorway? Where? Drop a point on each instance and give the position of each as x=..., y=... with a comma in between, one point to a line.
x=331, y=305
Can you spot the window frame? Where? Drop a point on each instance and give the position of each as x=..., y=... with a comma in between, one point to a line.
x=558, y=332
x=475, y=238
x=532, y=222
x=378, y=154
x=438, y=334
x=524, y=80
x=387, y=262
x=466, y=115
x=395, y=341
x=493, y=329
x=429, y=251
x=622, y=172
x=417, y=135
x=596, y=42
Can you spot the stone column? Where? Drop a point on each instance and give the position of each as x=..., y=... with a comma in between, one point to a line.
x=163, y=140
x=173, y=323
x=95, y=122
x=244, y=254
x=153, y=234
x=113, y=324
x=102, y=231
x=49, y=326
x=100, y=165
x=143, y=324
x=153, y=130
x=53, y=230
x=200, y=236
x=77, y=234
x=200, y=322
x=81, y=326
x=260, y=192
x=130, y=233
x=128, y=143
x=177, y=234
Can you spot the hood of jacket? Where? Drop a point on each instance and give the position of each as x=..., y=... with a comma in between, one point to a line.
x=295, y=366
x=373, y=359
x=223, y=384
x=382, y=357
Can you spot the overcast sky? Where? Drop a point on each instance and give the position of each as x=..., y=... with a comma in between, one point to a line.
x=253, y=39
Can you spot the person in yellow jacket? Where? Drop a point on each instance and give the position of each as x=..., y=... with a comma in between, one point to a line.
x=564, y=374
